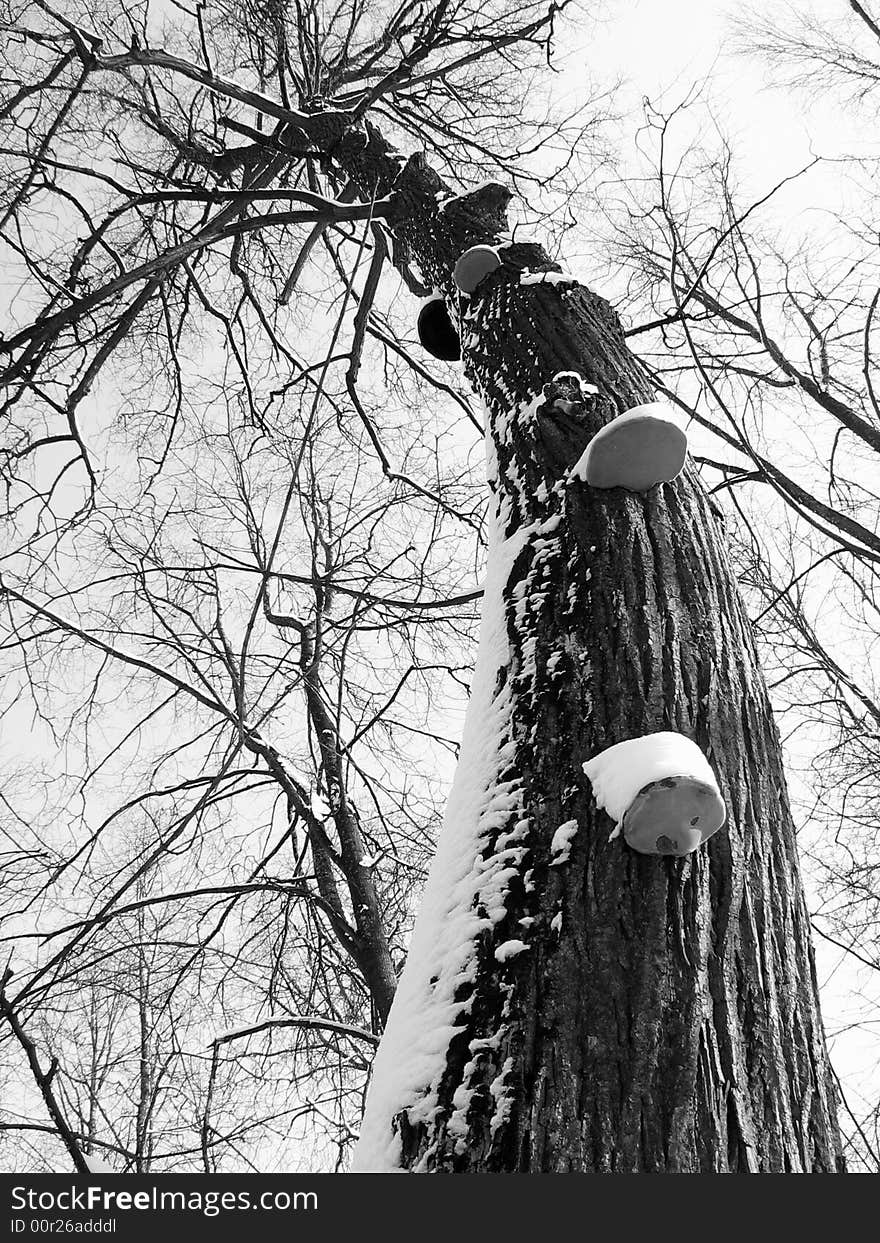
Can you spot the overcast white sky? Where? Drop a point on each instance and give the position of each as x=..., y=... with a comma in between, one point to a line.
x=662, y=48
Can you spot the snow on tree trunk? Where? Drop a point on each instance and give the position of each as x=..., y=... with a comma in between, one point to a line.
x=591, y=1008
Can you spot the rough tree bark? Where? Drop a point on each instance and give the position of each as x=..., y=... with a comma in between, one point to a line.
x=665, y=1015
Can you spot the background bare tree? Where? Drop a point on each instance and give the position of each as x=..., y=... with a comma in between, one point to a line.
x=244, y=514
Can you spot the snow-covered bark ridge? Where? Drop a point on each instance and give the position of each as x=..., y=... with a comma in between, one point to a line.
x=464, y=894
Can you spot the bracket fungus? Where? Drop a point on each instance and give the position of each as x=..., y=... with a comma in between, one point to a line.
x=660, y=791
x=474, y=265
x=437, y=333
x=642, y=447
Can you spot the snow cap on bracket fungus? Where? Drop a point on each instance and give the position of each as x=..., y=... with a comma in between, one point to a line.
x=660, y=791
x=642, y=447
x=473, y=265
x=437, y=333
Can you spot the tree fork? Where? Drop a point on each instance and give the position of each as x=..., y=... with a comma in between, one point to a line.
x=663, y=1015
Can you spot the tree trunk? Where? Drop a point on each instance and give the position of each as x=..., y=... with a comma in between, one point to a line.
x=615, y=1012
